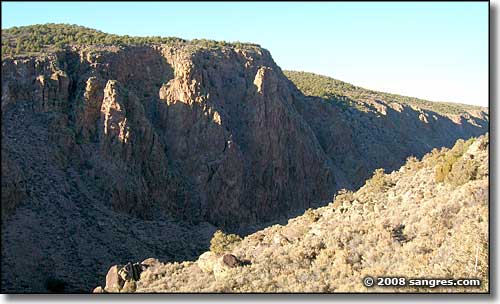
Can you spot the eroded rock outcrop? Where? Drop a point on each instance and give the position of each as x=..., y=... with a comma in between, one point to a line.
x=113, y=137
x=232, y=128
x=91, y=106
x=35, y=79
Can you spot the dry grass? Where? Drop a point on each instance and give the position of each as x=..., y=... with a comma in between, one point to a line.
x=399, y=224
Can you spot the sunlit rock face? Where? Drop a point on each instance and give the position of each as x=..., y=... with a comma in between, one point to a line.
x=113, y=152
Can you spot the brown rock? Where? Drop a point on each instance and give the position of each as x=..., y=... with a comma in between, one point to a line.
x=218, y=135
x=91, y=108
x=114, y=281
x=231, y=261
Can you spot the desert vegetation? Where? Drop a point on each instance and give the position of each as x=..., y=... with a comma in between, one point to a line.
x=337, y=90
x=222, y=242
x=407, y=223
x=41, y=38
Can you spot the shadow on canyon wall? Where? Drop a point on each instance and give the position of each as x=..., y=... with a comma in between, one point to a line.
x=103, y=163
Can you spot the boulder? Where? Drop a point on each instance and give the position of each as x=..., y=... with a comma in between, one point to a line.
x=231, y=261
x=119, y=277
x=129, y=286
x=223, y=264
x=131, y=272
x=206, y=261
x=150, y=262
x=114, y=281
x=220, y=270
x=98, y=289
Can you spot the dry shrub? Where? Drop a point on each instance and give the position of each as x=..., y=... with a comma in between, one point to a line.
x=311, y=215
x=379, y=181
x=343, y=197
x=462, y=171
x=443, y=234
x=222, y=242
x=412, y=163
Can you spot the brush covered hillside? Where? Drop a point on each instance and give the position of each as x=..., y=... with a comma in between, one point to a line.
x=429, y=219
x=119, y=148
x=322, y=86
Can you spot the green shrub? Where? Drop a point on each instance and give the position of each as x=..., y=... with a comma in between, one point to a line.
x=412, y=163
x=222, y=242
x=430, y=159
x=463, y=171
x=43, y=37
x=450, y=158
x=443, y=169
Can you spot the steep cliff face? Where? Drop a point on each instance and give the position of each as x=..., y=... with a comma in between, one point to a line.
x=110, y=146
x=204, y=134
x=382, y=134
x=231, y=126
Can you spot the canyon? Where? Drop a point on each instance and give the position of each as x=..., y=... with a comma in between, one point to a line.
x=118, y=153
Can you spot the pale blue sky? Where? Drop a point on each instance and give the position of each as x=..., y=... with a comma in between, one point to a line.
x=437, y=51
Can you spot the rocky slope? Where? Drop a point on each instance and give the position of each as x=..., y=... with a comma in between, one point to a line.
x=113, y=153
x=362, y=130
x=329, y=88
x=429, y=219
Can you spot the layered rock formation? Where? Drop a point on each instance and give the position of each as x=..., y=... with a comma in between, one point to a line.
x=110, y=145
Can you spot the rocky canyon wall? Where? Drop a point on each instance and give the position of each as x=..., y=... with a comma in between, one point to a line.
x=205, y=135
x=218, y=135
x=116, y=154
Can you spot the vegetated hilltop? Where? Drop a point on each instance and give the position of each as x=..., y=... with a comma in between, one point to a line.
x=428, y=219
x=329, y=88
x=121, y=150
x=45, y=38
